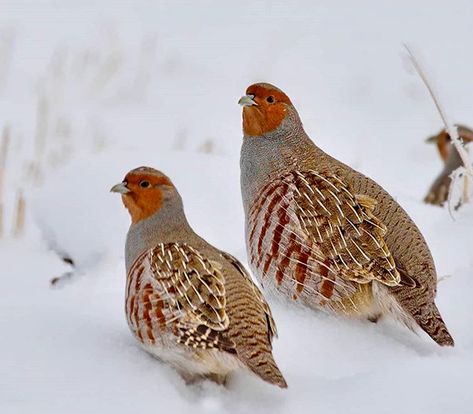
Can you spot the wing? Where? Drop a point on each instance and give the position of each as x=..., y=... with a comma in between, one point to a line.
x=343, y=227
x=272, y=331
x=310, y=234
x=191, y=292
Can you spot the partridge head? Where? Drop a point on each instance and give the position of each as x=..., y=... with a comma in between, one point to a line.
x=144, y=191
x=264, y=109
x=322, y=234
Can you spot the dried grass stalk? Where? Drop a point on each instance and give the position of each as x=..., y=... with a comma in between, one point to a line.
x=462, y=174
x=1, y=221
x=20, y=213
x=41, y=126
x=3, y=165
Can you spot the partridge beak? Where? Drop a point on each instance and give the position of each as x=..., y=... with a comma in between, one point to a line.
x=432, y=140
x=247, y=100
x=120, y=188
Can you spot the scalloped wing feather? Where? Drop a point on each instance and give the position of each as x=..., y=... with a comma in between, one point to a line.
x=191, y=293
x=343, y=227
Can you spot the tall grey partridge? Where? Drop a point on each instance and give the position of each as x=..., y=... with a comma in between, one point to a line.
x=188, y=303
x=322, y=234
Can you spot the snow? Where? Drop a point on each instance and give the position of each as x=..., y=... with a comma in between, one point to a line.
x=91, y=89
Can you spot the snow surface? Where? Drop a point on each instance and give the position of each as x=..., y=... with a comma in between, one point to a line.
x=92, y=89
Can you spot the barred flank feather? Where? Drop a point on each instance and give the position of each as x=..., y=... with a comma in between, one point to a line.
x=309, y=234
x=185, y=293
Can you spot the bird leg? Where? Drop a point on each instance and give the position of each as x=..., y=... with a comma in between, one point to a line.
x=375, y=317
x=191, y=379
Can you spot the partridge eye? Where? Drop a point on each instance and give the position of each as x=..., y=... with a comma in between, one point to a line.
x=270, y=99
x=144, y=184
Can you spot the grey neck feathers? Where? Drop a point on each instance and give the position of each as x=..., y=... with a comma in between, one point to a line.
x=265, y=157
x=168, y=224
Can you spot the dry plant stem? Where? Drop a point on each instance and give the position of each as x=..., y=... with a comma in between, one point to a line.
x=3, y=157
x=19, y=225
x=41, y=126
x=3, y=162
x=451, y=129
x=7, y=39
x=454, y=136
x=41, y=135
x=443, y=278
x=466, y=197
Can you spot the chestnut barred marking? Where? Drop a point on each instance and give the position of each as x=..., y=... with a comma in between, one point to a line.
x=173, y=288
x=309, y=227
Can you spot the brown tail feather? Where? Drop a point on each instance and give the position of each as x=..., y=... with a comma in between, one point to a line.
x=265, y=367
x=407, y=308
x=434, y=326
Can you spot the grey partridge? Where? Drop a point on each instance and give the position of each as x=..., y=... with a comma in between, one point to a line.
x=189, y=304
x=324, y=235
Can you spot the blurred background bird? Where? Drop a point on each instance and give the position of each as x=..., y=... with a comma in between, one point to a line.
x=439, y=190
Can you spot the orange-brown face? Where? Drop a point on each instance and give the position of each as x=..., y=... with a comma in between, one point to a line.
x=264, y=109
x=142, y=192
x=443, y=145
